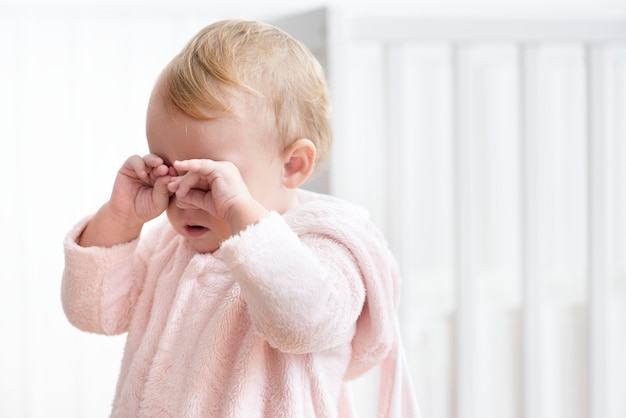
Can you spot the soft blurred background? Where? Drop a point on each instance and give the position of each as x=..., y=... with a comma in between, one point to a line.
x=486, y=137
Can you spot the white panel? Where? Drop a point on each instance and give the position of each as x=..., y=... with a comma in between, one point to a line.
x=616, y=349
x=616, y=130
x=494, y=112
x=558, y=207
x=421, y=169
x=566, y=376
x=499, y=366
x=561, y=165
x=600, y=230
x=431, y=340
x=488, y=217
x=465, y=154
x=359, y=166
x=533, y=286
x=615, y=95
x=419, y=137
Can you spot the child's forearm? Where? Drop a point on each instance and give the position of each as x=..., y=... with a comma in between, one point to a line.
x=106, y=230
x=246, y=215
x=303, y=293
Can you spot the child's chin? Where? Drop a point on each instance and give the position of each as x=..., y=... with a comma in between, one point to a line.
x=206, y=245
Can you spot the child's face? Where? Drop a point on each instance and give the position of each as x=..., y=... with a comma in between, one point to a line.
x=243, y=138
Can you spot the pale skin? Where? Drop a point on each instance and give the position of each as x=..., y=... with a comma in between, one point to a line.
x=213, y=177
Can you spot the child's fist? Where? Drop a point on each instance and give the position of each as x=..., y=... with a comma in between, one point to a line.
x=140, y=191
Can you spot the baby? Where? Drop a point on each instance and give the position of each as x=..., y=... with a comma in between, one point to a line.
x=250, y=298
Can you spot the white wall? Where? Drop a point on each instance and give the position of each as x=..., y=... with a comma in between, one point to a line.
x=74, y=89
x=74, y=81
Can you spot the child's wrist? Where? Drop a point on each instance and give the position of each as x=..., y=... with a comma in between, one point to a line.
x=107, y=229
x=244, y=215
x=124, y=222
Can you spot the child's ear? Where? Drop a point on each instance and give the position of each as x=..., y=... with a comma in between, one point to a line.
x=299, y=162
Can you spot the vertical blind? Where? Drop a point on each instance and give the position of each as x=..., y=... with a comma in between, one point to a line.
x=492, y=154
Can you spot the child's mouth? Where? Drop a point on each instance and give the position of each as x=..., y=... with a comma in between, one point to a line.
x=195, y=230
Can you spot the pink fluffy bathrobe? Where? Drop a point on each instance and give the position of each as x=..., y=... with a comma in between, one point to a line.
x=272, y=324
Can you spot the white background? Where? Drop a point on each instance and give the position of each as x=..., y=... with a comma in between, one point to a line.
x=74, y=82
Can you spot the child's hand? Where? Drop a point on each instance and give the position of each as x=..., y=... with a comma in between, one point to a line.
x=140, y=191
x=218, y=188
x=139, y=194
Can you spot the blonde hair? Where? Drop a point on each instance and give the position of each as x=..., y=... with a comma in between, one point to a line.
x=234, y=56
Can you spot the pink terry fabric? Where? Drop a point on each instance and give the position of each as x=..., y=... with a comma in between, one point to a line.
x=273, y=324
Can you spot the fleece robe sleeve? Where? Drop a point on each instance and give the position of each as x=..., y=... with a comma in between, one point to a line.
x=304, y=293
x=96, y=289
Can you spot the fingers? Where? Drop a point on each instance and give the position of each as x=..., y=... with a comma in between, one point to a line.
x=172, y=172
x=137, y=166
x=159, y=174
x=213, y=186
x=193, y=165
x=147, y=169
x=195, y=199
x=182, y=184
x=152, y=160
x=198, y=174
x=205, y=168
x=155, y=166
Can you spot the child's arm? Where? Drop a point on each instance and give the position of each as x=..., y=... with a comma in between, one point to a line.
x=98, y=287
x=99, y=284
x=139, y=195
x=304, y=294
